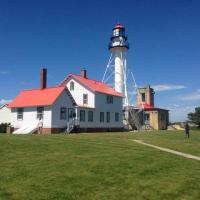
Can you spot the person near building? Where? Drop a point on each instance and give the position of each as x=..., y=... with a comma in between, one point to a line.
x=187, y=130
x=40, y=125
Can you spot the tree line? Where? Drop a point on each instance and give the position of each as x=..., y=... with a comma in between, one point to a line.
x=194, y=117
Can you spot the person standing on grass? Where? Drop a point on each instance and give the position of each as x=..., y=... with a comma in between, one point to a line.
x=40, y=125
x=187, y=130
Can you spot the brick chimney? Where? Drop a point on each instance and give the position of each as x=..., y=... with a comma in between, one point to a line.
x=84, y=73
x=43, y=78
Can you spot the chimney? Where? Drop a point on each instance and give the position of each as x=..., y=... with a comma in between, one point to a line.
x=43, y=78
x=84, y=73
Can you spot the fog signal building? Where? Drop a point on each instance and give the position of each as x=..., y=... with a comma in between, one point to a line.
x=154, y=117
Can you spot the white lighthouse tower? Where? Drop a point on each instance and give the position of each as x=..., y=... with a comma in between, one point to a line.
x=116, y=74
x=118, y=47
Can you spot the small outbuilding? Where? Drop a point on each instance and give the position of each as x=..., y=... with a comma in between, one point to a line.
x=154, y=117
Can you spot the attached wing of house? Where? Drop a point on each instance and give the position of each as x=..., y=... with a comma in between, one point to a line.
x=48, y=103
x=37, y=97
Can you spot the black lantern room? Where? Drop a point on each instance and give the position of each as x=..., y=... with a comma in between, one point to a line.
x=118, y=38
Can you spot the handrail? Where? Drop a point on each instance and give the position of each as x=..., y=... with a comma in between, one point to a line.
x=71, y=124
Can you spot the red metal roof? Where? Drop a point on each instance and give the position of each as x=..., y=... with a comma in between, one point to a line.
x=37, y=97
x=145, y=105
x=119, y=26
x=93, y=85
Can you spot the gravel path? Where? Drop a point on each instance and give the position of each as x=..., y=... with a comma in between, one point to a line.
x=186, y=155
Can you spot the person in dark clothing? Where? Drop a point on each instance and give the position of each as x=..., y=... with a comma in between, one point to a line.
x=40, y=125
x=187, y=130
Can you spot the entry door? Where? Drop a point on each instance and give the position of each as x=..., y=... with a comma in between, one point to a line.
x=146, y=118
x=71, y=113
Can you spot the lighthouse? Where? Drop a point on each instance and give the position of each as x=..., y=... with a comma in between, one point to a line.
x=118, y=47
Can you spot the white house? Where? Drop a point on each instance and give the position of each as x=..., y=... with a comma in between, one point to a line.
x=98, y=106
x=78, y=102
x=5, y=114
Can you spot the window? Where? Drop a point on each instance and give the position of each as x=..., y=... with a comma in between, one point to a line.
x=63, y=113
x=116, y=32
x=71, y=113
x=90, y=116
x=122, y=32
x=82, y=115
x=101, y=116
x=143, y=97
x=40, y=112
x=71, y=85
x=117, y=117
x=85, y=98
x=108, y=117
x=20, y=113
x=109, y=99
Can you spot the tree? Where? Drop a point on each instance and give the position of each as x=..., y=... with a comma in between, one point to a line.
x=195, y=117
x=3, y=127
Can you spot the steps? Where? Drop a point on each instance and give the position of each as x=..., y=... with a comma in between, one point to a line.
x=72, y=124
x=26, y=130
x=133, y=118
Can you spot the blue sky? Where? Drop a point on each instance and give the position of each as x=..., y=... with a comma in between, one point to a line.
x=65, y=36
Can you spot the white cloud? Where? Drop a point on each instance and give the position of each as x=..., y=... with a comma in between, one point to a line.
x=180, y=112
x=192, y=96
x=166, y=87
x=4, y=101
x=176, y=105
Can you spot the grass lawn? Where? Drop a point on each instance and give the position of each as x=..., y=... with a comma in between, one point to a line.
x=104, y=166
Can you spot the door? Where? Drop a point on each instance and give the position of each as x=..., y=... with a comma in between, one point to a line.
x=146, y=118
x=71, y=113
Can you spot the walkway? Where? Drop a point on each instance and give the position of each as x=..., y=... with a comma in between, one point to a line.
x=169, y=150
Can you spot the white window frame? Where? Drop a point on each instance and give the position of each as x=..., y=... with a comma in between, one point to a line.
x=63, y=113
x=90, y=116
x=108, y=117
x=71, y=86
x=85, y=98
x=40, y=113
x=109, y=99
x=116, y=117
x=82, y=117
x=20, y=113
x=101, y=117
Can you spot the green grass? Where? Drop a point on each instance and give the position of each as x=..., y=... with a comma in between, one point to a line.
x=98, y=166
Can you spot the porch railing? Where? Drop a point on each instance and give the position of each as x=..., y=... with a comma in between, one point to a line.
x=71, y=124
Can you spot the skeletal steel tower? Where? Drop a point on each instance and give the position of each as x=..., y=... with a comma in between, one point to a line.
x=117, y=64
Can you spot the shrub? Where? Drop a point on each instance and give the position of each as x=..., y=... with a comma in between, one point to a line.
x=3, y=127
